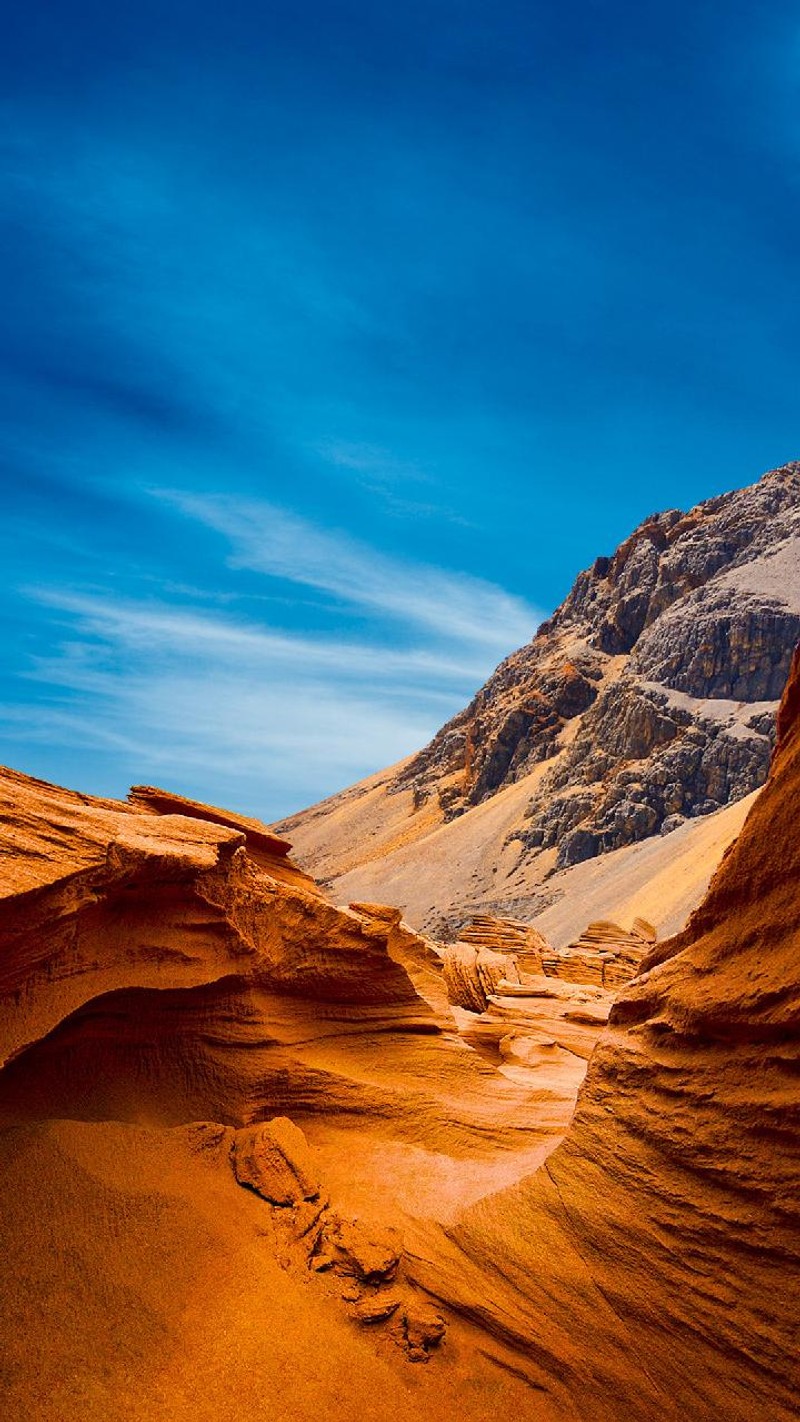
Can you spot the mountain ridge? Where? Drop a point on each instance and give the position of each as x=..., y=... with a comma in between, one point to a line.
x=647, y=699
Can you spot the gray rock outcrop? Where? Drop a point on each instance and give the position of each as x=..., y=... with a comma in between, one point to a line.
x=670, y=656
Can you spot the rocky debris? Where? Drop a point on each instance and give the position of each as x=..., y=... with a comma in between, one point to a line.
x=376, y=1308
x=423, y=1329
x=274, y=1160
x=353, y=1249
x=472, y=974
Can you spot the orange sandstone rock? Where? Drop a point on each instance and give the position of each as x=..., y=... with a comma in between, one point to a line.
x=274, y=1160
x=651, y=1268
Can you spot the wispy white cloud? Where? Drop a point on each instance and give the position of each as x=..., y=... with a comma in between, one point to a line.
x=238, y=712
x=173, y=630
x=383, y=474
x=219, y=702
x=454, y=606
x=367, y=459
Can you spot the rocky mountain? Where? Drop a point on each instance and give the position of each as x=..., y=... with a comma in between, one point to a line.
x=250, y=1159
x=647, y=700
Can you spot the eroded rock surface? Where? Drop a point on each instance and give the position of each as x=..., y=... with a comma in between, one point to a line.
x=274, y=1160
x=472, y=974
x=651, y=1267
x=151, y=968
x=235, y=1135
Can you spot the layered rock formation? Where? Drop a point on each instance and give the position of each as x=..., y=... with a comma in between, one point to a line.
x=473, y=975
x=533, y=1008
x=646, y=701
x=604, y=954
x=651, y=1267
x=495, y=952
x=173, y=967
x=246, y=1164
x=184, y=1020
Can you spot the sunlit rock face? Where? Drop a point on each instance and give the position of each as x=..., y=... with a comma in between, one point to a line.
x=646, y=701
x=168, y=962
x=701, y=607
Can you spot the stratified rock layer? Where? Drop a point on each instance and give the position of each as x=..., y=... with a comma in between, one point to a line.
x=501, y=954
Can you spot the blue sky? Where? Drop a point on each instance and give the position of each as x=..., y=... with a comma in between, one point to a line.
x=337, y=339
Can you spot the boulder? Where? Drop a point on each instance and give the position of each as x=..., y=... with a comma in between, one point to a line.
x=274, y=1160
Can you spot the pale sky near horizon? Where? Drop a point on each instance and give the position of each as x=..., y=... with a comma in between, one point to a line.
x=336, y=340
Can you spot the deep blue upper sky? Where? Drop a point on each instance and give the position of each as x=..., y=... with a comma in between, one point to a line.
x=336, y=339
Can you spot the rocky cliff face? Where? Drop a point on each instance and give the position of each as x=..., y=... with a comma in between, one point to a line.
x=693, y=608
x=648, y=699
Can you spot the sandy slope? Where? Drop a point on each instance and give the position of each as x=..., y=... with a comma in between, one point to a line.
x=456, y=870
x=661, y=879
x=140, y=1282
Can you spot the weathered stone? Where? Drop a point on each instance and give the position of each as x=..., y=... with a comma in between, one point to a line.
x=274, y=1160
x=473, y=973
x=367, y=1255
x=509, y=936
x=376, y=1308
x=424, y=1329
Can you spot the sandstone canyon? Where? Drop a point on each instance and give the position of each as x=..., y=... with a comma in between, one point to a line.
x=272, y=1149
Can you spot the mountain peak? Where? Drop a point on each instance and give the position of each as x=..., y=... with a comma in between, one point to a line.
x=646, y=700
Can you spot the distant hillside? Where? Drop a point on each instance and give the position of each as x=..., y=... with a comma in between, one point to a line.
x=647, y=700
